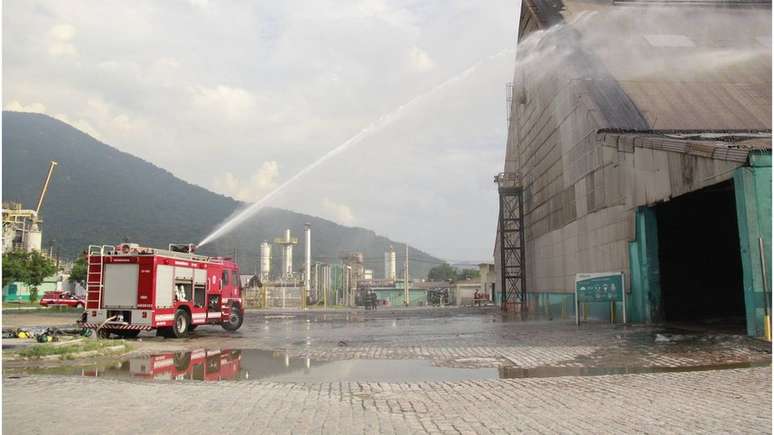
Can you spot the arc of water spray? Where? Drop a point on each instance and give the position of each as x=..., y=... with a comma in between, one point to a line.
x=380, y=123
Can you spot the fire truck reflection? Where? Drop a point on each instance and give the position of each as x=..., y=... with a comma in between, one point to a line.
x=198, y=365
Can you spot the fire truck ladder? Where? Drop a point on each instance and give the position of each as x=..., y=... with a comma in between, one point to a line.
x=95, y=267
x=512, y=246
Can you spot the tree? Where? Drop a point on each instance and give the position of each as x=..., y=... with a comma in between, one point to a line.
x=14, y=267
x=78, y=273
x=445, y=272
x=442, y=272
x=39, y=267
x=468, y=274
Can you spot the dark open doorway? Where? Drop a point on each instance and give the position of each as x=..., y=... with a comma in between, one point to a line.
x=699, y=258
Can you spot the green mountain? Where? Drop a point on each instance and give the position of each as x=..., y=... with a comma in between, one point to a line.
x=99, y=195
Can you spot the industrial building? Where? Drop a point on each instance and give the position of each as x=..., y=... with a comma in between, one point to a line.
x=22, y=227
x=639, y=141
x=321, y=283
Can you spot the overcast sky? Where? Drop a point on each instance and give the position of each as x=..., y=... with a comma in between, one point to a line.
x=237, y=96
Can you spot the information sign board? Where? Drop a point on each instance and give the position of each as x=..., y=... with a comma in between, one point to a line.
x=600, y=287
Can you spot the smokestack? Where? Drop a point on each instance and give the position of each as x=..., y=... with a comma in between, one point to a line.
x=308, y=266
x=288, y=266
x=265, y=261
x=286, y=243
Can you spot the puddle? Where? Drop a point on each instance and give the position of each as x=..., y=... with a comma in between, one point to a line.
x=549, y=372
x=251, y=364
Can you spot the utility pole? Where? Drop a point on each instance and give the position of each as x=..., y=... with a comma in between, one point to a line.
x=307, y=262
x=326, y=285
x=406, y=280
x=347, y=294
x=318, y=282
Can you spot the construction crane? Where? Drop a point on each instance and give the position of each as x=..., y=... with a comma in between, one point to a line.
x=21, y=227
x=45, y=186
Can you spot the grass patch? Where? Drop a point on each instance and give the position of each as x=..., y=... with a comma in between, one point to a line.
x=19, y=304
x=67, y=350
x=37, y=309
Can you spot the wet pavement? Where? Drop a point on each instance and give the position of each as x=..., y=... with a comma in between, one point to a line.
x=466, y=338
x=482, y=338
x=214, y=365
x=434, y=369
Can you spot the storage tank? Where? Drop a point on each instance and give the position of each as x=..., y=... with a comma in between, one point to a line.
x=389, y=264
x=34, y=239
x=9, y=234
x=265, y=261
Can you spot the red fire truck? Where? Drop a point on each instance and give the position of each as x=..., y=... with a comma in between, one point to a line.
x=200, y=365
x=132, y=288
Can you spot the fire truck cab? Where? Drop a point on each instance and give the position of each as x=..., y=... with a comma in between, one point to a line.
x=132, y=288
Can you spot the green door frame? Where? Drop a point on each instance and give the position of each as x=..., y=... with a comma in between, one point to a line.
x=752, y=189
x=644, y=302
x=752, y=192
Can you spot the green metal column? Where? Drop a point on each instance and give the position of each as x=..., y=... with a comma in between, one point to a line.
x=752, y=188
x=644, y=302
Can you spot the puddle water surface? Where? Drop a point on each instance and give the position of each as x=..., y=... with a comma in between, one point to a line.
x=252, y=364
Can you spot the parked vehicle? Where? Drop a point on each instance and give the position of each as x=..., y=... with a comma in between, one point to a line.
x=62, y=298
x=132, y=288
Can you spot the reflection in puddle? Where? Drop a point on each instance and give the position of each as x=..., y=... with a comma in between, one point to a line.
x=217, y=365
x=251, y=364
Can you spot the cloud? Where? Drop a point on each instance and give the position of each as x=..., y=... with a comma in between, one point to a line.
x=81, y=124
x=419, y=60
x=253, y=189
x=16, y=106
x=60, y=40
x=62, y=32
x=284, y=83
x=340, y=213
x=234, y=103
x=199, y=3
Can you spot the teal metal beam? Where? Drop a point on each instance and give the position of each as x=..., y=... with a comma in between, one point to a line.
x=752, y=188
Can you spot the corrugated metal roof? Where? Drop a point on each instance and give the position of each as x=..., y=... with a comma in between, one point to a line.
x=731, y=146
x=693, y=3
x=688, y=68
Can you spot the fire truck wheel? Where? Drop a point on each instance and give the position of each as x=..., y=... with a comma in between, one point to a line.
x=235, y=321
x=182, y=323
x=103, y=333
x=182, y=360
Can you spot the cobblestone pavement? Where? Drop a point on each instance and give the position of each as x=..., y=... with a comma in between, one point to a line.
x=721, y=401
x=709, y=401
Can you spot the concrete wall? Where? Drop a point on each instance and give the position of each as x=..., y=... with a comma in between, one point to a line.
x=584, y=178
x=583, y=184
x=487, y=277
x=608, y=192
x=464, y=291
